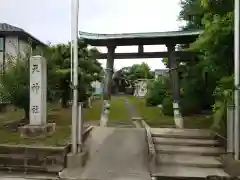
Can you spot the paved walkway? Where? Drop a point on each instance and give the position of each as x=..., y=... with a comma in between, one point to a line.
x=131, y=108
x=116, y=154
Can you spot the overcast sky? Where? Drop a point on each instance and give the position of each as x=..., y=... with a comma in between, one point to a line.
x=49, y=20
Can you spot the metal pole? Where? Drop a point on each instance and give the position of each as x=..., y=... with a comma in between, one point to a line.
x=236, y=80
x=230, y=128
x=75, y=78
x=80, y=126
x=72, y=28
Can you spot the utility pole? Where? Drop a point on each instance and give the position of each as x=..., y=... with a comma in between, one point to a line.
x=74, y=15
x=236, y=80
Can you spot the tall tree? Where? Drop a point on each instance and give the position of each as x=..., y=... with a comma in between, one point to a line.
x=214, y=69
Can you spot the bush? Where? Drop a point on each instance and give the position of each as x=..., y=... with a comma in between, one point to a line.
x=223, y=97
x=157, y=92
x=15, y=83
x=167, y=106
x=187, y=106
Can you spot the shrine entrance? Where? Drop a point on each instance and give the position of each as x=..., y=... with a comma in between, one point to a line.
x=170, y=39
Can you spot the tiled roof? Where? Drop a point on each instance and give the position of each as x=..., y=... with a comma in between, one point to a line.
x=147, y=38
x=95, y=36
x=9, y=28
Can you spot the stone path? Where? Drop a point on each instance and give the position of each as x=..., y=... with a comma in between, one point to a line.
x=134, y=114
x=126, y=123
x=116, y=154
x=131, y=108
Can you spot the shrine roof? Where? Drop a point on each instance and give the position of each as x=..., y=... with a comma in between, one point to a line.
x=148, y=38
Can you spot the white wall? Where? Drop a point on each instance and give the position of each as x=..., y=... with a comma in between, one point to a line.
x=24, y=46
x=14, y=46
x=11, y=47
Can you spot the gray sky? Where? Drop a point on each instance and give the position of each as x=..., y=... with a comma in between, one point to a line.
x=49, y=20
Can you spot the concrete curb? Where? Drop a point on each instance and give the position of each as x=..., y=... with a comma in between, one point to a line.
x=151, y=147
x=137, y=122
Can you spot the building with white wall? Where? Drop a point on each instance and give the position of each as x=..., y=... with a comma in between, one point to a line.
x=161, y=72
x=98, y=87
x=14, y=40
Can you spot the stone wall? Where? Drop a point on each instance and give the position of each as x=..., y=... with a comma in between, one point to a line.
x=36, y=159
x=33, y=159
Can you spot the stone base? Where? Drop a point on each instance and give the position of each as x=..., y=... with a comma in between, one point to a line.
x=230, y=165
x=34, y=130
x=76, y=160
x=137, y=121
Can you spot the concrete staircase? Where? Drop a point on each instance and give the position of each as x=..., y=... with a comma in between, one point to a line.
x=186, y=153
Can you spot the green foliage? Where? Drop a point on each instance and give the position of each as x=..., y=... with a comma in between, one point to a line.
x=167, y=106
x=191, y=12
x=157, y=91
x=137, y=71
x=223, y=97
x=15, y=82
x=59, y=81
x=128, y=76
x=189, y=106
x=209, y=80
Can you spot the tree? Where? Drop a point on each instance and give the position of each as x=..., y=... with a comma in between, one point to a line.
x=89, y=70
x=15, y=83
x=139, y=71
x=192, y=13
x=15, y=80
x=158, y=90
x=215, y=64
x=127, y=75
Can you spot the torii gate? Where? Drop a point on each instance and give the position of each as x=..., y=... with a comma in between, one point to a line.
x=170, y=39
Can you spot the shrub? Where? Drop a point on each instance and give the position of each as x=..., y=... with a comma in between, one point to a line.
x=15, y=83
x=157, y=92
x=167, y=106
x=187, y=106
x=223, y=97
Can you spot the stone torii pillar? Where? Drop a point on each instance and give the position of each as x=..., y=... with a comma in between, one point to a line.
x=107, y=85
x=174, y=77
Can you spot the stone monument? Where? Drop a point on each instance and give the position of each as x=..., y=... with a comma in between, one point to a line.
x=38, y=100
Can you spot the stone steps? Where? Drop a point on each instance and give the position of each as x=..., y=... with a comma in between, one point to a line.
x=189, y=160
x=185, y=142
x=204, y=151
x=182, y=133
x=186, y=154
x=186, y=172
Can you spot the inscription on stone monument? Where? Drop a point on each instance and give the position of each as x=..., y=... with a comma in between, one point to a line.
x=38, y=92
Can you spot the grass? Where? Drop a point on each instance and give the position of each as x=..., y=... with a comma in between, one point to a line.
x=152, y=115
x=62, y=118
x=155, y=118
x=118, y=109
